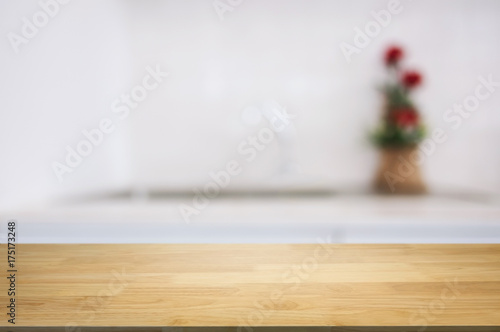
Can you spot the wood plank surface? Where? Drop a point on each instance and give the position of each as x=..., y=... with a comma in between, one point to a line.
x=179, y=285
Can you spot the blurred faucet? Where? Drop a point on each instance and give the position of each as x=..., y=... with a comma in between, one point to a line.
x=286, y=135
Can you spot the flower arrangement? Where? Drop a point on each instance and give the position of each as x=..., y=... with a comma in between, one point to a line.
x=401, y=122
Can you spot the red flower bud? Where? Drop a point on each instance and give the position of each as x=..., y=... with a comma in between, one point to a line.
x=393, y=55
x=405, y=117
x=411, y=79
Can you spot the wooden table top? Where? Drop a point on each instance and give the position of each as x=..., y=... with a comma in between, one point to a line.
x=179, y=285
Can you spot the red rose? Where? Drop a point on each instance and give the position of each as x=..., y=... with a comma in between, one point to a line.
x=405, y=117
x=411, y=79
x=393, y=55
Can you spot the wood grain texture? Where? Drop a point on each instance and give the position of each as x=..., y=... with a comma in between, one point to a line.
x=255, y=285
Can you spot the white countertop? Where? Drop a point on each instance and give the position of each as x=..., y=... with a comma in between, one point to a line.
x=266, y=219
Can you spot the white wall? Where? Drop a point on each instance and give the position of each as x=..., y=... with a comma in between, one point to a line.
x=289, y=51
x=66, y=78
x=59, y=83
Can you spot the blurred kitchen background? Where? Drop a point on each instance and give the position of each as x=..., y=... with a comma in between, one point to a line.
x=231, y=66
